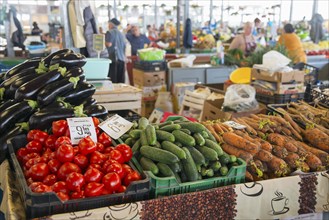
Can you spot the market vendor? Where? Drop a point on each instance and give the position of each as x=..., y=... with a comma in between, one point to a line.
x=245, y=41
x=293, y=44
x=137, y=40
x=115, y=44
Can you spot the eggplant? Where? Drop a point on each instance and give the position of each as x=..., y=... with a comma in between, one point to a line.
x=50, y=92
x=7, y=104
x=89, y=101
x=2, y=77
x=43, y=119
x=98, y=111
x=46, y=61
x=16, y=113
x=74, y=72
x=69, y=60
x=19, y=129
x=83, y=91
x=57, y=104
x=15, y=85
x=31, y=63
x=30, y=89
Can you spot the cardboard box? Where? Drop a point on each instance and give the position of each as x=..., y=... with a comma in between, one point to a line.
x=212, y=111
x=147, y=108
x=295, y=75
x=141, y=78
x=151, y=91
x=281, y=88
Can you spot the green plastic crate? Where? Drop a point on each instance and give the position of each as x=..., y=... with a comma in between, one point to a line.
x=167, y=186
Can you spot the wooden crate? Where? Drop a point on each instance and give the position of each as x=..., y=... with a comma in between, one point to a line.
x=123, y=97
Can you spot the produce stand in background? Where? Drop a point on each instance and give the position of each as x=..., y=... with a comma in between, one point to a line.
x=6, y=63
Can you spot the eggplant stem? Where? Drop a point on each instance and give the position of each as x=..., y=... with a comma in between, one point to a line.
x=74, y=80
x=33, y=104
x=24, y=125
x=2, y=93
x=78, y=111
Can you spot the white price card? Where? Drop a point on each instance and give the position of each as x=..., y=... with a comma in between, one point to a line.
x=115, y=126
x=235, y=125
x=80, y=128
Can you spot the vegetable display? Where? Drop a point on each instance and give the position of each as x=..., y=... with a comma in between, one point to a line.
x=178, y=148
x=51, y=163
x=42, y=90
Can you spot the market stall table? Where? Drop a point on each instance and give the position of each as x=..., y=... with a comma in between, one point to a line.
x=305, y=196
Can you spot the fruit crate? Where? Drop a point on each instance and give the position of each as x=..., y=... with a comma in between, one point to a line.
x=279, y=98
x=167, y=186
x=311, y=72
x=44, y=204
x=150, y=66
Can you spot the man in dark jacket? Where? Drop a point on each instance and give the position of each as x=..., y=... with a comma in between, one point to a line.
x=115, y=43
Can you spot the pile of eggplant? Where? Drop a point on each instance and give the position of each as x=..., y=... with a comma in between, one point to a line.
x=39, y=91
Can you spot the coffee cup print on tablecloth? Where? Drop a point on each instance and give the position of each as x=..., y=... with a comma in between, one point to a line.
x=279, y=204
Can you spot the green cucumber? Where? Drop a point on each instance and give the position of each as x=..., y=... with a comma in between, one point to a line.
x=197, y=156
x=208, y=153
x=166, y=145
x=186, y=131
x=165, y=123
x=136, y=146
x=150, y=135
x=149, y=165
x=143, y=139
x=129, y=141
x=184, y=138
x=210, y=172
x=157, y=144
x=165, y=170
x=179, y=180
x=164, y=136
x=143, y=122
x=158, y=155
x=204, y=134
x=210, y=136
x=224, y=159
x=176, y=167
x=189, y=166
x=183, y=177
x=223, y=170
x=178, y=144
x=233, y=159
x=171, y=128
x=216, y=165
x=124, y=137
x=194, y=127
x=213, y=145
x=135, y=133
x=199, y=139
x=135, y=125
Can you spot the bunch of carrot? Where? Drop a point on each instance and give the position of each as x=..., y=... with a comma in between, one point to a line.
x=271, y=145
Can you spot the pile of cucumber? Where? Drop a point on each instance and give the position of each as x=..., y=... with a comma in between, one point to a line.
x=180, y=148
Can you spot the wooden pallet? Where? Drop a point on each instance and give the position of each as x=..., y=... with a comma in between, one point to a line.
x=123, y=97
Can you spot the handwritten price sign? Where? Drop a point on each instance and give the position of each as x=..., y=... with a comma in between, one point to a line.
x=115, y=126
x=80, y=128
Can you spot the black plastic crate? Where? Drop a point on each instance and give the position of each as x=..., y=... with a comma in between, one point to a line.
x=43, y=204
x=126, y=114
x=278, y=98
x=311, y=73
x=315, y=93
x=151, y=66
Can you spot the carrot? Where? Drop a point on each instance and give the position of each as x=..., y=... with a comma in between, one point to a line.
x=254, y=117
x=217, y=128
x=237, y=152
x=247, y=137
x=286, y=131
x=290, y=146
x=323, y=156
x=263, y=155
x=278, y=166
x=292, y=159
x=277, y=139
x=317, y=138
x=213, y=132
x=303, y=166
x=292, y=122
x=314, y=162
x=251, y=124
x=265, y=145
x=279, y=151
x=226, y=126
x=240, y=142
x=249, y=177
x=256, y=168
x=248, y=128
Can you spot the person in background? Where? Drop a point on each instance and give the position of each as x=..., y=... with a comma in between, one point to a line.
x=36, y=30
x=137, y=40
x=152, y=33
x=245, y=41
x=255, y=31
x=100, y=30
x=115, y=44
x=293, y=44
x=128, y=29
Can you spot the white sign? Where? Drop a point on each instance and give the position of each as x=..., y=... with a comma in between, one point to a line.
x=98, y=42
x=80, y=128
x=115, y=126
x=235, y=125
x=156, y=116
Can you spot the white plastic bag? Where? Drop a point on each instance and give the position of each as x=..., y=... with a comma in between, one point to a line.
x=240, y=98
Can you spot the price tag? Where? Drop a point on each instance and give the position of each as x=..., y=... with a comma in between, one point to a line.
x=115, y=126
x=235, y=125
x=98, y=42
x=80, y=128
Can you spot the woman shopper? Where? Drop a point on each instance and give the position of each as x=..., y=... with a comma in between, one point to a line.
x=245, y=41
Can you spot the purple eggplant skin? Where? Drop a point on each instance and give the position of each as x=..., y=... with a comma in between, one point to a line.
x=15, y=85
x=43, y=119
x=98, y=111
x=82, y=92
x=15, y=114
x=15, y=131
x=31, y=63
x=2, y=77
x=74, y=72
x=7, y=104
x=50, y=92
x=48, y=58
x=6, y=83
x=89, y=101
x=69, y=60
x=30, y=89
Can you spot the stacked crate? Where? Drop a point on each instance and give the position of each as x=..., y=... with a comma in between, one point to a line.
x=278, y=87
x=150, y=77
